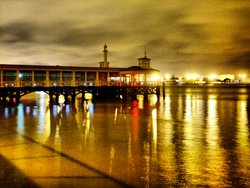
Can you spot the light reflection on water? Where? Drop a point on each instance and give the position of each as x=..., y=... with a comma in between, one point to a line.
x=192, y=137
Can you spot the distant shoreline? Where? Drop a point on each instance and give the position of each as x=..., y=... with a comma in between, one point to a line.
x=208, y=85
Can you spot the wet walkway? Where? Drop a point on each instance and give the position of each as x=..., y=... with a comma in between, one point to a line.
x=27, y=163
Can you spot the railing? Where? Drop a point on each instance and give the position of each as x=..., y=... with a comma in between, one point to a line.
x=22, y=83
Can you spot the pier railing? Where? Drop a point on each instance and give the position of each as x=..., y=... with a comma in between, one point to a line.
x=50, y=83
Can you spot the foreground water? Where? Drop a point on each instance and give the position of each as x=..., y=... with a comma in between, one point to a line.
x=195, y=136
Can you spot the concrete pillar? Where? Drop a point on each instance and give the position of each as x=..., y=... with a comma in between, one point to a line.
x=97, y=81
x=1, y=79
x=73, y=81
x=120, y=80
x=61, y=79
x=33, y=77
x=18, y=84
x=47, y=81
x=85, y=79
x=132, y=79
x=108, y=79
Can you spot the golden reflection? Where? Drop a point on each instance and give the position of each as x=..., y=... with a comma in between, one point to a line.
x=112, y=156
x=152, y=98
x=86, y=126
x=146, y=170
x=242, y=134
x=188, y=118
x=88, y=96
x=193, y=136
x=140, y=99
x=115, y=117
x=154, y=127
x=188, y=109
x=242, y=123
x=61, y=99
x=180, y=108
x=212, y=122
x=44, y=119
x=216, y=159
x=167, y=109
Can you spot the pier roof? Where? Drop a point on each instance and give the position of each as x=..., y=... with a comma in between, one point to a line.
x=56, y=67
x=139, y=68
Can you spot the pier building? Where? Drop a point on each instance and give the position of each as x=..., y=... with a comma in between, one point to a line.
x=104, y=75
x=102, y=82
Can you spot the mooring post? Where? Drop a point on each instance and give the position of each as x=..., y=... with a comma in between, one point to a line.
x=163, y=90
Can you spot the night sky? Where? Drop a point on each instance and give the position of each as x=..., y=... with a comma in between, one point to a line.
x=180, y=36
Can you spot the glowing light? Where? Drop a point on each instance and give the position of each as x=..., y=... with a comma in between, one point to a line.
x=188, y=77
x=88, y=96
x=168, y=76
x=20, y=75
x=212, y=76
x=140, y=99
x=243, y=76
x=195, y=76
x=155, y=77
x=61, y=99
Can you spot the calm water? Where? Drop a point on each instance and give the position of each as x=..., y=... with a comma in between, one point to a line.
x=195, y=136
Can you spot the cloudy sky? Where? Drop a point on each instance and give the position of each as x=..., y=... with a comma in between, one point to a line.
x=180, y=36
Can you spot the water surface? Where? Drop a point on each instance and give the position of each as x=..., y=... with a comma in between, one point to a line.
x=195, y=136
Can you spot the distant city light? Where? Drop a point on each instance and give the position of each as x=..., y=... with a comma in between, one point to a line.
x=192, y=76
x=212, y=76
x=188, y=77
x=243, y=76
x=168, y=76
x=195, y=76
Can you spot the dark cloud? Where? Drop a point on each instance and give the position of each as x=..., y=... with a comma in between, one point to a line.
x=16, y=32
x=88, y=36
x=179, y=36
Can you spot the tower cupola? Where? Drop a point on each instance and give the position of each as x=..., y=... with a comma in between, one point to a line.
x=144, y=61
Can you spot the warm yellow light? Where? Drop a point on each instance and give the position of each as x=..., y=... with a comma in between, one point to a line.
x=168, y=76
x=188, y=77
x=192, y=76
x=88, y=96
x=195, y=76
x=212, y=76
x=155, y=77
x=243, y=76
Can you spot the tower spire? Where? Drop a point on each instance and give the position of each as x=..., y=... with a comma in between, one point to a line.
x=105, y=51
x=105, y=62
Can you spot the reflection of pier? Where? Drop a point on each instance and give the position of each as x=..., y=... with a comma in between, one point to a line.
x=12, y=94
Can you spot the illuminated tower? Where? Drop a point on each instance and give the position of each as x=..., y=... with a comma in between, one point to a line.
x=105, y=62
x=144, y=61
